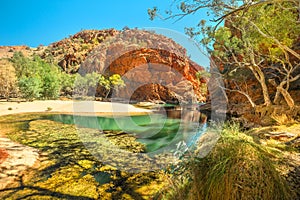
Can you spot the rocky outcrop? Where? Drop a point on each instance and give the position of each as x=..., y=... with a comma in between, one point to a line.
x=69, y=53
x=8, y=51
x=153, y=67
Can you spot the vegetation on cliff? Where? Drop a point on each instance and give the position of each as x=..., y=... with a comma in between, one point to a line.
x=256, y=51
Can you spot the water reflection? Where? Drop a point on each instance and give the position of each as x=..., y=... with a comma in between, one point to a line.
x=160, y=131
x=188, y=113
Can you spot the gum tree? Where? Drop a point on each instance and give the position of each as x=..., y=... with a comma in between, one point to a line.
x=257, y=36
x=36, y=78
x=114, y=82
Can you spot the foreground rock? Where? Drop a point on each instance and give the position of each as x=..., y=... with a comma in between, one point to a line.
x=19, y=158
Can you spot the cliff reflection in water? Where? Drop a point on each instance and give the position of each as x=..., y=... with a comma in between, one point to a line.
x=186, y=113
x=159, y=131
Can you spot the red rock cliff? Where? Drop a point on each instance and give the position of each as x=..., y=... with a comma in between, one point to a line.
x=153, y=67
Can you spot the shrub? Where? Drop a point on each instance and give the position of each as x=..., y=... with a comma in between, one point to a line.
x=8, y=79
x=51, y=85
x=67, y=83
x=30, y=87
x=36, y=77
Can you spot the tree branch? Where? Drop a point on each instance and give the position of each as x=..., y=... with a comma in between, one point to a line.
x=274, y=39
x=243, y=93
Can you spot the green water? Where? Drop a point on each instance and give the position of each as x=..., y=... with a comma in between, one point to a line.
x=156, y=131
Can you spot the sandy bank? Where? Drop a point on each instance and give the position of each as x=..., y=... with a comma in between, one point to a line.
x=71, y=107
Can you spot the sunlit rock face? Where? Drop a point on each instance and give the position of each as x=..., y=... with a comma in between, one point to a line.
x=152, y=66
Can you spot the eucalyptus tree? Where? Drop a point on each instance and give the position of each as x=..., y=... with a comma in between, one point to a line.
x=259, y=37
x=36, y=78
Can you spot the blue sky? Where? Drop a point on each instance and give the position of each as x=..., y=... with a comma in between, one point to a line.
x=35, y=22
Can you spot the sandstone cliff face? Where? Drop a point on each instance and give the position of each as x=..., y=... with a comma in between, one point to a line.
x=153, y=67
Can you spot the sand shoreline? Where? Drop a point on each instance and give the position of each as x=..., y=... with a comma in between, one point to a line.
x=71, y=107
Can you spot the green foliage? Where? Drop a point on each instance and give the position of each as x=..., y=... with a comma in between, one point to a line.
x=80, y=85
x=92, y=79
x=104, y=82
x=259, y=25
x=41, y=78
x=50, y=77
x=114, y=82
x=87, y=85
x=22, y=65
x=67, y=83
x=261, y=28
x=30, y=87
x=51, y=85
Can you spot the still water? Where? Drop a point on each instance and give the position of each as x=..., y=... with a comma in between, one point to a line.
x=165, y=127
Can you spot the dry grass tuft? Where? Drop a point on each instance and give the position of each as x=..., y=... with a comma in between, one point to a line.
x=237, y=168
